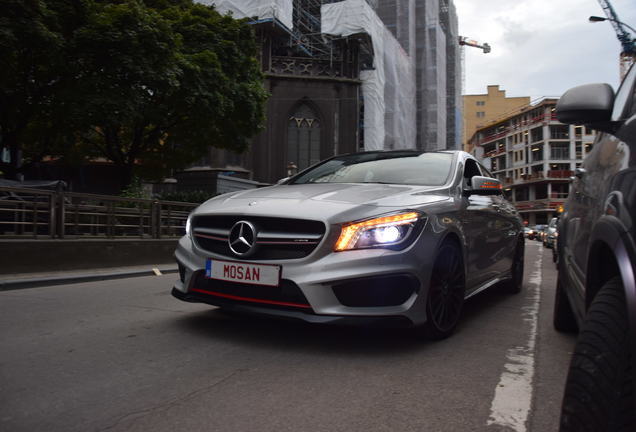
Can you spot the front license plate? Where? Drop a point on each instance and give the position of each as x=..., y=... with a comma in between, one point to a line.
x=255, y=274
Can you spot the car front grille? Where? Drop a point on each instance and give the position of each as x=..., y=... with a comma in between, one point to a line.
x=276, y=238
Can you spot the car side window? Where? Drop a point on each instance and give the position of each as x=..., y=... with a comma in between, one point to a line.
x=471, y=169
x=485, y=171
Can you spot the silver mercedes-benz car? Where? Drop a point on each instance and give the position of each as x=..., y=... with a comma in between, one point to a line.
x=400, y=235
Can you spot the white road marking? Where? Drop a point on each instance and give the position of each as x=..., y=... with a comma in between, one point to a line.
x=513, y=395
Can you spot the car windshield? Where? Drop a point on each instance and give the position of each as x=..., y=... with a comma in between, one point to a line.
x=430, y=169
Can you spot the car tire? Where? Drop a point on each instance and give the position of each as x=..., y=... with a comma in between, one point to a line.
x=445, y=297
x=515, y=283
x=563, y=317
x=599, y=393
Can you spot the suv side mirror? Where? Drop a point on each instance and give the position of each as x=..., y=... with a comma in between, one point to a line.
x=283, y=180
x=589, y=104
x=484, y=186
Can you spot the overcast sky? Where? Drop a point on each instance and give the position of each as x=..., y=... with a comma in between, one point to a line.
x=540, y=47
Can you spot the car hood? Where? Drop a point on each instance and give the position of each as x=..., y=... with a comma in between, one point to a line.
x=324, y=201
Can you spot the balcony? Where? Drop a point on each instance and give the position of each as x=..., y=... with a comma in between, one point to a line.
x=560, y=174
x=540, y=176
x=539, y=205
x=495, y=152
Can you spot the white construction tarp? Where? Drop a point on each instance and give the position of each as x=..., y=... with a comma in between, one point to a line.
x=282, y=10
x=388, y=89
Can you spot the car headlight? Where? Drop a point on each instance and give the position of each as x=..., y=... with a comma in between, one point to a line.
x=386, y=231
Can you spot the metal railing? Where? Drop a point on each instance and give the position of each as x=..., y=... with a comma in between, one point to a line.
x=37, y=213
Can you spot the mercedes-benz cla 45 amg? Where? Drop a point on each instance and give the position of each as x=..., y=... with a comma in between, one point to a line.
x=401, y=235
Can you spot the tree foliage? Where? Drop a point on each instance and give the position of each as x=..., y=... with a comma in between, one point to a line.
x=147, y=85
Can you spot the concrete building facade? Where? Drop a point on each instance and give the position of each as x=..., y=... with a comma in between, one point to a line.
x=428, y=32
x=534, y=156
x=483, y=109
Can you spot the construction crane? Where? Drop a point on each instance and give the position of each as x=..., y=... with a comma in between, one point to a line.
x=628, y=53
x=464, y=41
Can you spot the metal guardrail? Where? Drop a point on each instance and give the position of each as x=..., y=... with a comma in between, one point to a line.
x=36, y=213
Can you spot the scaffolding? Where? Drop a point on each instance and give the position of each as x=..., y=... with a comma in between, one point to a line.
x=307, y=37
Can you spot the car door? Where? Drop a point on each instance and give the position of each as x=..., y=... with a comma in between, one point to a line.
x=587, y=202
x=504, y=231
x=479, y=220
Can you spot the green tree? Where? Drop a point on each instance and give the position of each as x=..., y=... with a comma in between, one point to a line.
x=149, y=86
x=156, y=87
x=32, y=51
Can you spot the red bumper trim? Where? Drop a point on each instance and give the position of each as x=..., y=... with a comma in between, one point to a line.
x=254, y=300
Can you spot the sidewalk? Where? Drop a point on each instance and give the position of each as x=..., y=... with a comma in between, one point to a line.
x=40, y=279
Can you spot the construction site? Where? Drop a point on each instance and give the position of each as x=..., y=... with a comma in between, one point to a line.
x=351, y=75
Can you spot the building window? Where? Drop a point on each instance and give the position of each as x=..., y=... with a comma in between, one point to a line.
x=303, y=137
x=536, y=134
x=559, y=151
x=481, y=114
x=481, y=103
x=579, y=150
x=541, y=191
x=537, y=153
x=560, y=132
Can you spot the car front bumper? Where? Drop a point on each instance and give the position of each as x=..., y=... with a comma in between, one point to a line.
x=351, y=286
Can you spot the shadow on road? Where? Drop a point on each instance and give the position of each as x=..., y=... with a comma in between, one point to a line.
x=272, y=333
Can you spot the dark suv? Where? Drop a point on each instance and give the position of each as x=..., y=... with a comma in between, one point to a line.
x=596, y=291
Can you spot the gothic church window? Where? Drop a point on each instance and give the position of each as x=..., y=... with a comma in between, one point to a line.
x=303, y=137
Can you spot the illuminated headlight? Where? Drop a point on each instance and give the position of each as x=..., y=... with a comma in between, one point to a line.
x=383, y=231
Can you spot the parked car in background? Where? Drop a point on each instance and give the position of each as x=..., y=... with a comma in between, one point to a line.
x=550, y=233
x=596, y=290
x=367, y=236
x=538, y=230
x=527, y=232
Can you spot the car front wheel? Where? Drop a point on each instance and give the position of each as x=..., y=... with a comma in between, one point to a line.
x=599, y=393
x=446, y=293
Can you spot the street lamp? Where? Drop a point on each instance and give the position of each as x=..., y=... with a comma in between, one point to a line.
x=594, y=19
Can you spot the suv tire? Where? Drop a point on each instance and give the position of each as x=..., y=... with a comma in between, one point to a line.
x=598, y=392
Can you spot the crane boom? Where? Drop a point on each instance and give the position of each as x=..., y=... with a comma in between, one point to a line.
x=463, y=40
x=622, y=34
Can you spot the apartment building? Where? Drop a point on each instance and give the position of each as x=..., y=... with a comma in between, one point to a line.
x=534, y=155
x=483, y=109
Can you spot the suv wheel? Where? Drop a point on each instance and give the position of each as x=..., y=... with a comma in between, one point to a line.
x=598, y=392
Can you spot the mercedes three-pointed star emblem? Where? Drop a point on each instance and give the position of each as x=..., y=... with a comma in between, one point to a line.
x=242, y=238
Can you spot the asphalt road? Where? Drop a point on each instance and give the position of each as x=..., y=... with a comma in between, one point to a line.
x=124, y=355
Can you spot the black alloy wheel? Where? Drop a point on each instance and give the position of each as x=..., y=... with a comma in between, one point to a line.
x=446, y=293
x=515, y=284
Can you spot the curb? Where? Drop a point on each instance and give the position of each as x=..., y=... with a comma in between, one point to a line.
x=16, y=284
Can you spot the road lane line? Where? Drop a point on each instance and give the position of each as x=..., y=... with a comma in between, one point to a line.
x=513, y=396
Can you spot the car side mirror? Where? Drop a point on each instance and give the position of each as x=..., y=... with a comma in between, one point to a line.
x=484, y=186
x=589, y=104
x=283, y=180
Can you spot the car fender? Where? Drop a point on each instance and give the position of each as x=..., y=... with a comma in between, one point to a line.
x=610, y=234
x=454, y=233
